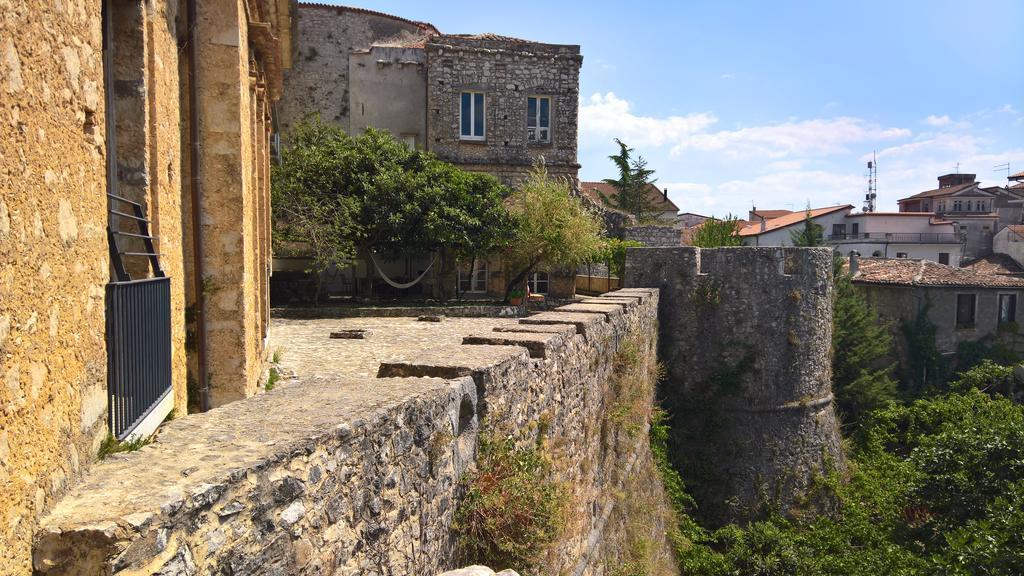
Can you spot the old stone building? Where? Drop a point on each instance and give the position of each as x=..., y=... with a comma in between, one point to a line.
x=107, y=110
x=484, y=102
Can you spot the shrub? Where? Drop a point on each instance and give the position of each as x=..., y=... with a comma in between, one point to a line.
x=512, y=510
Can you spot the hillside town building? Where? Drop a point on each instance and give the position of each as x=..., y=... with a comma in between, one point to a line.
x=134, y=227
x=663, y=210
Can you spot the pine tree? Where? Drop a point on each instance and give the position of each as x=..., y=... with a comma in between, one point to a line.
x=861, y=348
x=632, y=185
x=812, y=234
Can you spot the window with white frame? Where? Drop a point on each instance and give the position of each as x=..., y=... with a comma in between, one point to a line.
x=473, y=278
x=472, y=118
x=1007, y=308
x=538, y=119
x=538, y=283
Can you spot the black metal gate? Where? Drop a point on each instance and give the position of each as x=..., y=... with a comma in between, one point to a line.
x=138, y=350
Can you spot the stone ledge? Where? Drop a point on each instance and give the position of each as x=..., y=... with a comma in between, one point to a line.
x=538, y=344
x=266, y=463
x=451, y=363
x=582, y=320
x=609, y=310
x=625, y=303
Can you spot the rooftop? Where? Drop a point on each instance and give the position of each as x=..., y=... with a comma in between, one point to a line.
x=945, y=191
x=790, y=219
x=1001, y=264
x=659, y=201
x=908, y=272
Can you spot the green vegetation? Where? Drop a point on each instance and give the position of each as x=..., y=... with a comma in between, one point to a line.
x=552, y=228
x=272, y=377
x=276, y=356
x=812, y=234
x=110, y=445
x=715, y=233
x=512, y=509
x=861, y=347
x=339, y=196
x=612, y=253
x=632, y=185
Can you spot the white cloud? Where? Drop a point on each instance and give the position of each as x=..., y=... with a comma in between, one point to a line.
x=727, y=76
x=606, y=116
x=792, y=190
x=938, y=121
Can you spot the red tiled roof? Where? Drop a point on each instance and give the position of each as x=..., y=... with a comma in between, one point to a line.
x=656, y=197
x=1017, y=175
x=790, y=219
x=907, y=272
x=769, y=214
x=1002, y=264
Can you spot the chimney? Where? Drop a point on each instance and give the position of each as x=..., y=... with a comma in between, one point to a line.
x=764, y=222
x=666, y=194
x=947, y=180
x=854, y=262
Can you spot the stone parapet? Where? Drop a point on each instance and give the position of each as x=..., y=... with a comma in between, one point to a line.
x=346, y=475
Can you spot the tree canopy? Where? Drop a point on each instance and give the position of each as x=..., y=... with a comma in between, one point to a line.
x=812, y=234
x=714, y=233
x=340, y=194
x=553, y=228
x=632, y=185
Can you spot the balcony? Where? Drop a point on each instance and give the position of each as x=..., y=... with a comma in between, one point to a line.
x=897, y=238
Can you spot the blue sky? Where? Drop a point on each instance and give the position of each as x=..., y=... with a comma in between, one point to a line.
x=780, y=103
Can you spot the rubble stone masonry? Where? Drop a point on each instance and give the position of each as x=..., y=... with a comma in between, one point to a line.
x=348, y=474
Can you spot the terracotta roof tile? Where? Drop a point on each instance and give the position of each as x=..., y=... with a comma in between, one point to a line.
x=1002, y=264
x=769, y=214
x=907, y=272
x=790, y=219
x=657, y=198
x=940, y=192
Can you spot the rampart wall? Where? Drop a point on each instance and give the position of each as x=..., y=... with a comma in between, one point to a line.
x=345, y=476
x=745, y=337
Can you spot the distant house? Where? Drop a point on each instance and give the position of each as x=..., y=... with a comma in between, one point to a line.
x=965, y=305
x=1018, y=182
x=756, y=215
x=689, y=219
x=665, y=211
x=978, y=212
x=876, y=234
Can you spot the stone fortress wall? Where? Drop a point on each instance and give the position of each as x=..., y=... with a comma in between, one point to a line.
x=745, y=335
x=361, y=475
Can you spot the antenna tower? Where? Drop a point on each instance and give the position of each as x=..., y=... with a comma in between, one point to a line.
x=869, y=198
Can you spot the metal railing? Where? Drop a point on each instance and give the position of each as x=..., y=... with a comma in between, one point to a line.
x=138, y=350
x=899, y=237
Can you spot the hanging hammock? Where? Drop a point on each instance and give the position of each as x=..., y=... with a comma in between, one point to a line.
x=396, y=284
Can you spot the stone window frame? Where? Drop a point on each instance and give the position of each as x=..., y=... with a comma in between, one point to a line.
x=472, y=137
x=973, y=320
x=551, y=115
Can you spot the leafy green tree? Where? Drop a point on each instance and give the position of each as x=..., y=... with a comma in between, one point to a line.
x=861, y=348
x=632, y=185
x=812, y=234
x=553, y=228
x=714, y=233
x=341, y=195
x=612, y=253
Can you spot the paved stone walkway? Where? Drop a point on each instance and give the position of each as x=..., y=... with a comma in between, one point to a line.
x=307, y=351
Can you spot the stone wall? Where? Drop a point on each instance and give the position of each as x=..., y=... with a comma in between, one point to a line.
x=54, y=260
x=507, y=71
x=745, y=337
x=654, y=236
x=326, y=36
x=369, y=480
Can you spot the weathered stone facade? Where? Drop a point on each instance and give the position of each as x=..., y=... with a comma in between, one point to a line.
x=507, y=71
x=333, y=44
x=368, y=481
x=745, y=337
x=64, y=112
x=654, y=236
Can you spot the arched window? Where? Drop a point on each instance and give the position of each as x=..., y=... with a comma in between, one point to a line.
x=538, y=283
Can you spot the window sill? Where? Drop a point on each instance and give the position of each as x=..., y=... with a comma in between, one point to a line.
x=473, y=141
x=540, y=144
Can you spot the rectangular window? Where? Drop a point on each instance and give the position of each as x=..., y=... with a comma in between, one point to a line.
x=538, y=119
x=968, y=205
x=538, y=283
x=855, y=229
x=1007, y=308
x=839, y=231
x=965, y=304
x=473, y=280
x=944, y=258
x=957, y=206
x=471, y=116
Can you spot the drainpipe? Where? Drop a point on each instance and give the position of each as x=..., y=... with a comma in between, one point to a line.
x=197, y=197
